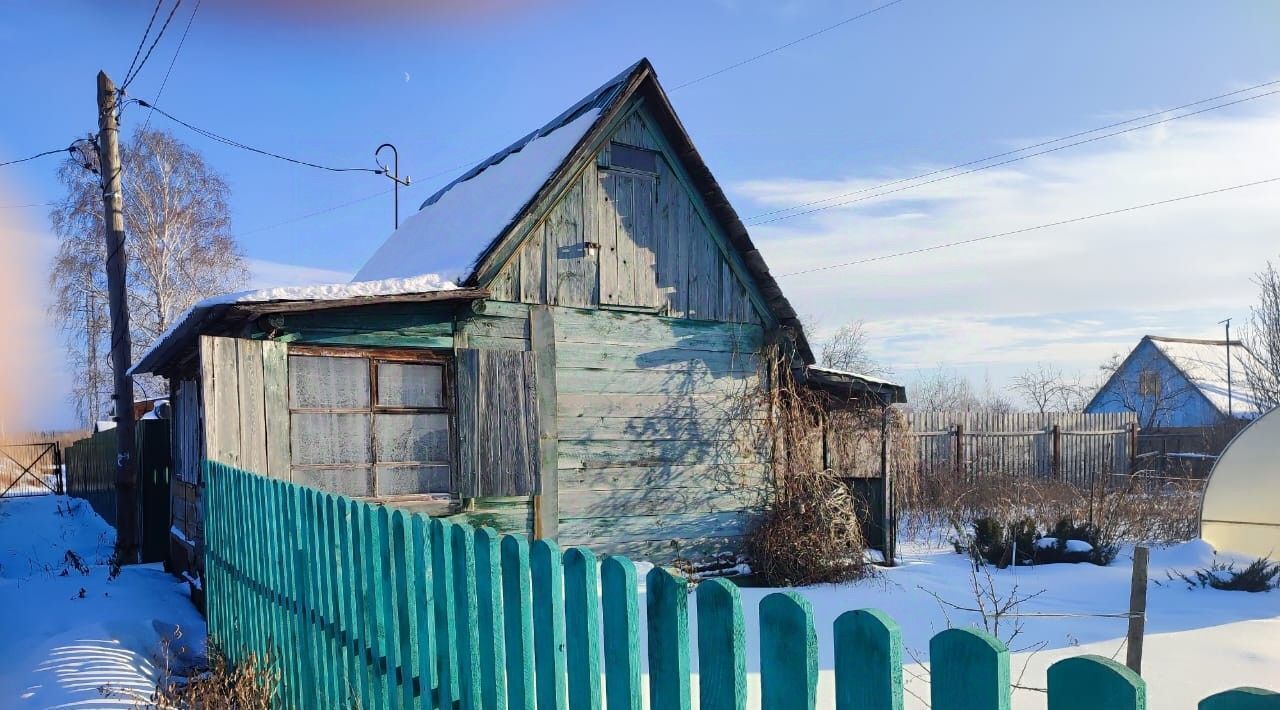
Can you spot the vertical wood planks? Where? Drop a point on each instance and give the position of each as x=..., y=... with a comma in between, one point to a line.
x=360, y=603
x=402, y=554
x=969, y=670
x=446, y=624
x=275, y=387
x=788, y=653
x=868, y=661
x=722, y=661
x=1095, y=683
x=424, y=603
x=1242, y=699
x=621, y=634
x=467, y=640
x=489, y=619
x=251, y=395
x=582, y=628
x=668, y=618
x=518, y=623
x=548, y=624
x=542, y=339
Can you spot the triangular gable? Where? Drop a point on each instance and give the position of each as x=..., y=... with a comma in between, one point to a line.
x=473, y=227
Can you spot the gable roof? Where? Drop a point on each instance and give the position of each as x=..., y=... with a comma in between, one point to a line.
x=1203, y=362
x=459, y=228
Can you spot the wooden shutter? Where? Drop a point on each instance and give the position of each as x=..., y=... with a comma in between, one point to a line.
x=245, y=387
x=497, y=420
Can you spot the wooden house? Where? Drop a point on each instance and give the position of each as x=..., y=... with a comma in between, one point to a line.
x=568, y=340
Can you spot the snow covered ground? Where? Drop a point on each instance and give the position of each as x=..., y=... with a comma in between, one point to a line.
x=66, y=633
x=66, y=629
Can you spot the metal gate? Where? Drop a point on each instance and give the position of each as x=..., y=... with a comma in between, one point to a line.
x=30, y=469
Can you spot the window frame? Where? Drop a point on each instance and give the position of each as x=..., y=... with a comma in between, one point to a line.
x=374, y=356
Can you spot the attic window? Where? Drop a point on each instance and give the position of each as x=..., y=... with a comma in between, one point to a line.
x=1149, y=383
x=629, y=157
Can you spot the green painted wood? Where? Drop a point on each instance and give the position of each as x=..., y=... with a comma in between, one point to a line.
x=317, y=574
x=350, y=586
x=517, y=617
x=788, y=653
x=868, y=661
x=402, y=554
x=711, y=406
x=300, y=585
x=621, y=619
x=603, y=327
x=691, y=379
x=542, y=341
x=375, y=340
x=376, y=578
x=708, y=427
x=684, y=526
x=360, y=603
x=332, y=545
x=488, y=564
x=1095, y=683
x=577, y=453
x=424, y=615
x=969, y=670
x=1242, y=699
x=445, y=610
x=548, y=624
x=657, y=501
x=267, y=564
x=275, y=382
x=667, y=605
x=462, y=540
x=698, y=477
x=582, y=628
x=722, y=656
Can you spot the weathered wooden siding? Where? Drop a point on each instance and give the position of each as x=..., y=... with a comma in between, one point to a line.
x=657, y=250
x=186, y=447
x=241, y=422
x=406, y=325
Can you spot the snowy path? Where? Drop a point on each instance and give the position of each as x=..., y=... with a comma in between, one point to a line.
x=62, y=638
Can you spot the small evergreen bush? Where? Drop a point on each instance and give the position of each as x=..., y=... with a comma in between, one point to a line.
x=997, y=543
x=1262, y=575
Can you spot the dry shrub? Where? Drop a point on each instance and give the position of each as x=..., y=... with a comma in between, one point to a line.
x=222, y=686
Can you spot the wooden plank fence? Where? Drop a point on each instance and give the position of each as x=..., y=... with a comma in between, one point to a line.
x=1074, y=448
x=357, y=605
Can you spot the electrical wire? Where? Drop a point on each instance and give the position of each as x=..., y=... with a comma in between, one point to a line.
x=143, y=41
x=32, y=204
x=996, y=165
x=1024, y=230
x=237, y=144
x=37, y=155
x=1024, y=148
x=781, y=47
x=173, y=61
x=128, y=79
x=309, y=215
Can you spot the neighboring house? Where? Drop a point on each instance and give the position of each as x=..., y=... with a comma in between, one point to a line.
x=572, y=340
x=1180, y=382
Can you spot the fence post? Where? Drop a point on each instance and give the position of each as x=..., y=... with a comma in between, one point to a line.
x=1056, y=432
x=446, y=623
x=1137, y=610
x=1095, y=683
x=958, y=432
x=493, y=657
x=517, y=616
x=868, y=667
x=722, y=660
x=788, y=653
x=666, y=597
x=466, y=614
x=582, y=628
x=969, y=670
x=424, y=603
x=548, y=624
x=1242, y=699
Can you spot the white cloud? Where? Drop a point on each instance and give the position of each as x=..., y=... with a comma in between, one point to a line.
x=1071, y=294
x=270, y=274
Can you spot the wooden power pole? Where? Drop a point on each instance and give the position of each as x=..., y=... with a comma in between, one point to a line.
x=128, y=530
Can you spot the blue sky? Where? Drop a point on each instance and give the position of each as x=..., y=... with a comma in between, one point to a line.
x=919, y=85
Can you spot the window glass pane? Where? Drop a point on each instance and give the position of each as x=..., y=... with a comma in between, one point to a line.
x=402, y=384
x=632, y=158
x=343, y=481
x=323, y=438
x=403, y=480
x=328, y=382
x=406, y=438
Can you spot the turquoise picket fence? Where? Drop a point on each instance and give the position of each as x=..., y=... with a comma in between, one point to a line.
x=359, y=605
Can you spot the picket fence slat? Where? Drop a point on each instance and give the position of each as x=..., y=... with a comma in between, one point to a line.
x=969, y=670
x=722, y=657
x=788, y=653
x=668, y=618
x=360, y=605
x=488, y=563
x=1095, y=683
x=548, y=624
x=582, y=628
x=621, y=620
x=517, y=596
x=868, y=661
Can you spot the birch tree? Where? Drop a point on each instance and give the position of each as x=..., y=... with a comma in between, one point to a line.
x=179, y=245
x=1262, y=337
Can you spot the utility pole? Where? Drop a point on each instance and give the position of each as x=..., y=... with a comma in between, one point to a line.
x=394, y=174
x=1227, y=323
x=128, y=537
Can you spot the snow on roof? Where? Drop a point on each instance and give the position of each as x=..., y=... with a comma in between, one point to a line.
x=426, y=283
x=1204, y=363
x=451, y=231
x=856, y=375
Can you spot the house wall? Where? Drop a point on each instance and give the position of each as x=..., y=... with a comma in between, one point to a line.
x=1180, y=405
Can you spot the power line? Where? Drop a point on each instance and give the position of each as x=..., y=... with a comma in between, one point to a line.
x=173, y=61
x=991, y=165
x=792, y=43
x=1024, y=148
x=37, y=155
x=237, y=144
x=1024, y=230
x=130, y=77
x=31, y=204
x=309, y=215
x=155, y=11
